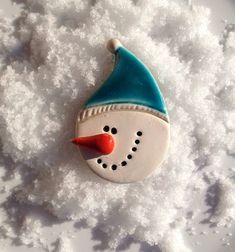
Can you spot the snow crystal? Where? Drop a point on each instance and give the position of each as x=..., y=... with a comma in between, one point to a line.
x=174, y=242
x=53, y=57
x=29, y=237
x=63, y=244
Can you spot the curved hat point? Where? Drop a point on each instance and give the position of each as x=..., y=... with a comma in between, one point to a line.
x=130, y=82
x=113, y=45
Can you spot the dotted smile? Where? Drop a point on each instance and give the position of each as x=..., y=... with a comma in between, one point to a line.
x=129, y=156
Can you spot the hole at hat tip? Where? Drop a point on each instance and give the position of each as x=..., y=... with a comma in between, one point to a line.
x=106, y=128
x=99, y=161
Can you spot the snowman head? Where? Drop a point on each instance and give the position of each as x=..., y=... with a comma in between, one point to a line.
x=123, y=130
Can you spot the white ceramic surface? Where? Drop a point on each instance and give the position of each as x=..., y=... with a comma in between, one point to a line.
x=151, y=149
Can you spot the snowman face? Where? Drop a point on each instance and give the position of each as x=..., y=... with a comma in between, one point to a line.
x=140, y=144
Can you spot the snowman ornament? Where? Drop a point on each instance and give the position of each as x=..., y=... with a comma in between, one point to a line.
x=123, y=130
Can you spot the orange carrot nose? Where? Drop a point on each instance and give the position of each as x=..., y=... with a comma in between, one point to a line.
x=103, y=143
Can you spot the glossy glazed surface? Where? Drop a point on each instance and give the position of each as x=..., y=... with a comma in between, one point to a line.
x=130, y=82
x=141, y=143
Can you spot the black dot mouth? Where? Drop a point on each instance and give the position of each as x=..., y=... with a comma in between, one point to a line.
x=123, y=163
x=114, y=167
x=139, y=133
x=134, y=149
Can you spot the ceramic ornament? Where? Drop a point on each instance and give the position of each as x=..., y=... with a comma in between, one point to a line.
x=123, y=130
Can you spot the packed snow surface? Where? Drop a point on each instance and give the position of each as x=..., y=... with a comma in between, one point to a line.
x=53, y=57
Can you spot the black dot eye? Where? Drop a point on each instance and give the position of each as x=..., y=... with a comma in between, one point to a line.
x=134, y=149
x=106, y=128
x=104, y=166
x=114, y=167
x=137, y=141
x=129, y=156
x=114, y=131
x=124, y=163
x=139, y=133
x=99, y=161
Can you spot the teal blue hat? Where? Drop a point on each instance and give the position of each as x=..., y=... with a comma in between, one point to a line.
x=131, y=82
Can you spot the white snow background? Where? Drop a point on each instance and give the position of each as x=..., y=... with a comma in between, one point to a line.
x=52, y=58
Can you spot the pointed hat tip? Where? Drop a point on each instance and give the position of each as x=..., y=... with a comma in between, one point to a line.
x=113, y=45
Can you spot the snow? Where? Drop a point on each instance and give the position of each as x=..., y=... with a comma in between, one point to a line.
x=63, y=244
x=54, y=57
